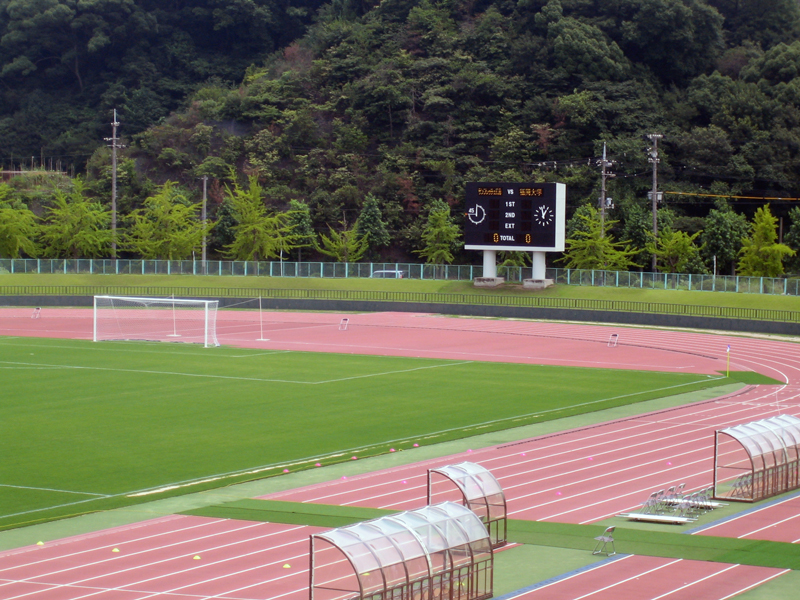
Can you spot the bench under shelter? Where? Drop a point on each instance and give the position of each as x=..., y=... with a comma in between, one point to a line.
x=441, y=551
x=757, y=460
x=481, y=493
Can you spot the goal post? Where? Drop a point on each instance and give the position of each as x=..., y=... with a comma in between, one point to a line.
x=155, y=319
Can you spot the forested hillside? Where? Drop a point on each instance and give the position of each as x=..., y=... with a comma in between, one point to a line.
x=369, y=113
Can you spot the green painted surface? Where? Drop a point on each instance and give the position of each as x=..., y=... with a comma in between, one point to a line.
x=291, y=513
x=784, y=587
x=653, y=543
x=750, y=378
x=158, y=506
x=522, y=566
x=104, y=426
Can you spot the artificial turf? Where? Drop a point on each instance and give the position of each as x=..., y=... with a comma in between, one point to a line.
x=538, y=533
x=291, y=513
x=91, y=426
x=668, y=545
x=751, y=378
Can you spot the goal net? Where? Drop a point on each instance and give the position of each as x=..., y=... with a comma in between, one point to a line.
x=155, y=319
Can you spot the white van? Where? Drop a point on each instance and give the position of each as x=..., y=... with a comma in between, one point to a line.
x=390, y=274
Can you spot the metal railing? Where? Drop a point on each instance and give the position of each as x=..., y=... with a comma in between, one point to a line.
x=623, y=279
x=88, y=266
x=522, y=301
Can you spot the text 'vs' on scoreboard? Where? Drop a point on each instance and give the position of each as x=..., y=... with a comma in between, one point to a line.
x=515, y=216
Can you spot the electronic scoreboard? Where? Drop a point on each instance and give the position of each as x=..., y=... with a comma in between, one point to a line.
x=515, y=216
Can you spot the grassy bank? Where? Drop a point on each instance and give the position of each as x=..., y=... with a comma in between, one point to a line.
x=732, y=300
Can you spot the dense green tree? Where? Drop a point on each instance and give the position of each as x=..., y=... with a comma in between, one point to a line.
x=299, y=222
x=371, y=226
x=343, y=246
x=259, y=233
x=18, y=227
x=76, y=226
x=792, y=239
x=722, y=237
x=764, y=21
x=63, y=62
x=761, y=255
x=441, y=238
x=676, y=252
x=168, y=227
x=593, y=246
x=511, y=262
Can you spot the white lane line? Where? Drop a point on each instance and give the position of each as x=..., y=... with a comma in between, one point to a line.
x=145, y=566
x=82, y=565
x=688, y=585
x=631, y=578
x=756, y=584
x=103, y=533
x=590, y=571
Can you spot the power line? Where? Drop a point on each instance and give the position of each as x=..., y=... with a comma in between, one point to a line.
x=787, y=198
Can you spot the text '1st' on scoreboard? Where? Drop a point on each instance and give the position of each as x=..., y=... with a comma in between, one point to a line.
x=515, y=216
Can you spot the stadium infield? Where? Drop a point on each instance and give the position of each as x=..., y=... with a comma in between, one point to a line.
x=675, y=578
x=96, y=426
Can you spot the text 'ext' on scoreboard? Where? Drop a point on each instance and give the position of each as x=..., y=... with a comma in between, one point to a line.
x=515, y=216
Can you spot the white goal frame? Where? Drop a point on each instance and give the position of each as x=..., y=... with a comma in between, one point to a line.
x=130, y=318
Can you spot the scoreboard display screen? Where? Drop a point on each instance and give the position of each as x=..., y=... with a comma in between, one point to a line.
x=515, y=216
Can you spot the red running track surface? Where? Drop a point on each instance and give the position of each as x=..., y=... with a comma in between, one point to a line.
x=238, y=560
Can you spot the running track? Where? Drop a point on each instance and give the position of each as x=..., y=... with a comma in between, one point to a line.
x=580, y=476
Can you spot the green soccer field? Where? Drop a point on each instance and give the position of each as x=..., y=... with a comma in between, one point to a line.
x=90, y=426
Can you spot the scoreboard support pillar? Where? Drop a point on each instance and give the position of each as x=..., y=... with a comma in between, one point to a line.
x=490, y=263
x=538, y=265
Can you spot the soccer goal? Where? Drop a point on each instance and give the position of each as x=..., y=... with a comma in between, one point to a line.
x=155, y=319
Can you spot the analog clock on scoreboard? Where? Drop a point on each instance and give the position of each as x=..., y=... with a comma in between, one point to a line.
x=515, y=216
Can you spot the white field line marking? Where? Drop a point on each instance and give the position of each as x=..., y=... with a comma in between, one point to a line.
x=54, y=506
x=113, y=545
x=590, y=571
x=302, y=461
x=238, y=378
x=32, y=368
x=41, y=489
x=758, y=583
x=162, y=561
x=270, y=353
x=632, y=577
x=688, y=585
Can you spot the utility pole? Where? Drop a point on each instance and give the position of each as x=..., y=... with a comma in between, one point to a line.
x=604, y=164
x=114, y=145
x=205, y=201
x=654, y=137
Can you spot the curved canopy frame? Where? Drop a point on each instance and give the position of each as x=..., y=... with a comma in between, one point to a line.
x=481, y=493
x=438, y=547
x=772, y=448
